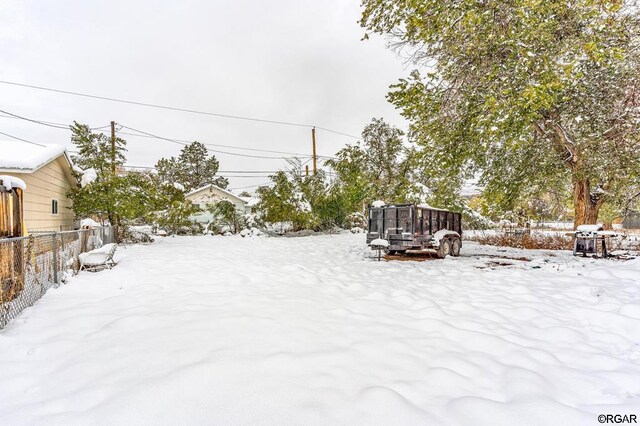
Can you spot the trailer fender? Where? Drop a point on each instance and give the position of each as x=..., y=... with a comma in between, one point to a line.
x=443, y=233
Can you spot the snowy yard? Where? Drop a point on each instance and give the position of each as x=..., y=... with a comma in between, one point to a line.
x=226, y=330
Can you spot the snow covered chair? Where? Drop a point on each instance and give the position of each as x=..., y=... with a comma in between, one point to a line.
x=99, y=258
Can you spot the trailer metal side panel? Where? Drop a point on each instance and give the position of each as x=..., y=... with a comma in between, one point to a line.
x=407, y=226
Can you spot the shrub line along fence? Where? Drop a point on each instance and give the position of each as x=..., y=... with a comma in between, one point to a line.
x=29, y=266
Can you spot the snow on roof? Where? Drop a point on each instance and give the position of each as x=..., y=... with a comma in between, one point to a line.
x=250, y=201
x=21, y=157
x=219, y=189
x=88, y=176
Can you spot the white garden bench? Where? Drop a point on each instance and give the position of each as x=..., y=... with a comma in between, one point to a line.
x=99, y=258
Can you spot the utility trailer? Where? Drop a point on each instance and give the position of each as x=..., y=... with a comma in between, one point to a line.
x=411, y=227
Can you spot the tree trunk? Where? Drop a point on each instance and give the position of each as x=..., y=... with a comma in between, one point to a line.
x=586, y=208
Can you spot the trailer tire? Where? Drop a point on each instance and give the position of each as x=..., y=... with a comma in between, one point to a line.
x=444, y=249
x=456, y=244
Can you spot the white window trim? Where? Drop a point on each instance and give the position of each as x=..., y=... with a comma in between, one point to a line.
x=57, y=207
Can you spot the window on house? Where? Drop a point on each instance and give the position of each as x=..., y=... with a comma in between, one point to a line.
x=54, y=206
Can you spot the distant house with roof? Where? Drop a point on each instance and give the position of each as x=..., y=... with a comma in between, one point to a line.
x=47, y=173
x=210, y=194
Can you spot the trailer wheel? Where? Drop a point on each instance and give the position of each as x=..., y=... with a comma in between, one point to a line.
x=456, y=244
x=444, y=249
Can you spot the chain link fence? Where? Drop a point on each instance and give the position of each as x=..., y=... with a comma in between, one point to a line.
x=29, y=266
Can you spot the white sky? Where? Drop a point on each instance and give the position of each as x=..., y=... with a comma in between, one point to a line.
x=296, y=61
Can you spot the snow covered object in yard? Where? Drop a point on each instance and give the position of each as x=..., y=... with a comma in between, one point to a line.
x=378, y=204
x=10, y=182
x=592, y=240
x=590, y=228
x=411, y=227
x=379, y=242
x=99, y=258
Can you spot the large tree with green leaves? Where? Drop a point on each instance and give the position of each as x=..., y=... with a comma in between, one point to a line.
x=528, y=94
x=283, y=201
x=378, y=167
x=193, y=168
x=107, y=195
x=94, y=149
x=126, y=197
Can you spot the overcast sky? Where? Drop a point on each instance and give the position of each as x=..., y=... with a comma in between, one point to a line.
x=295, y=61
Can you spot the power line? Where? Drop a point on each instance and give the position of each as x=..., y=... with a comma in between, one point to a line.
x=249, y=186
x=223, y=146
x=22, y=140
x=165, y=107
x=219, y=171
x=208, y=149
x=63, y=126
x=55, y=125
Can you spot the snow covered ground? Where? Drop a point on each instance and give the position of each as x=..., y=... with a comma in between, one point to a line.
x=230, y=330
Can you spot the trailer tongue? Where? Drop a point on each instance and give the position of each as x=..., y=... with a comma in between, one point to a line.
x=410, y=227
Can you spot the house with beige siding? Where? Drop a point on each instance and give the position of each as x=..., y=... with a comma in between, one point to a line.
x=46, y=171
x=210, y=194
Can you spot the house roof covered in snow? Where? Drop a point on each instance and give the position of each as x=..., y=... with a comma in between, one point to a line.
x=224, y=191
x=250, y=201
x=21, y=157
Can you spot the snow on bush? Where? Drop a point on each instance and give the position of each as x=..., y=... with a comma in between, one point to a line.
x=90, y=223
x=471, y=219
x=88, y=177
x=355, y=219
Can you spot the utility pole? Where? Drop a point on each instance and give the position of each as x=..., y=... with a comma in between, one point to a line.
x=113, y=147
x=116, y=220
x=315, y=158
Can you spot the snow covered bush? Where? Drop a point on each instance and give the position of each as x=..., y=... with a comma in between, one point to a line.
x=135, y=234
x=526, y=241
x=175, y=219
x=355, y=220
x=471, y=219
x=226, y=214
x=193, y=228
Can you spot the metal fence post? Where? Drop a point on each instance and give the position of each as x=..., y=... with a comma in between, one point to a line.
x=55, y=258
